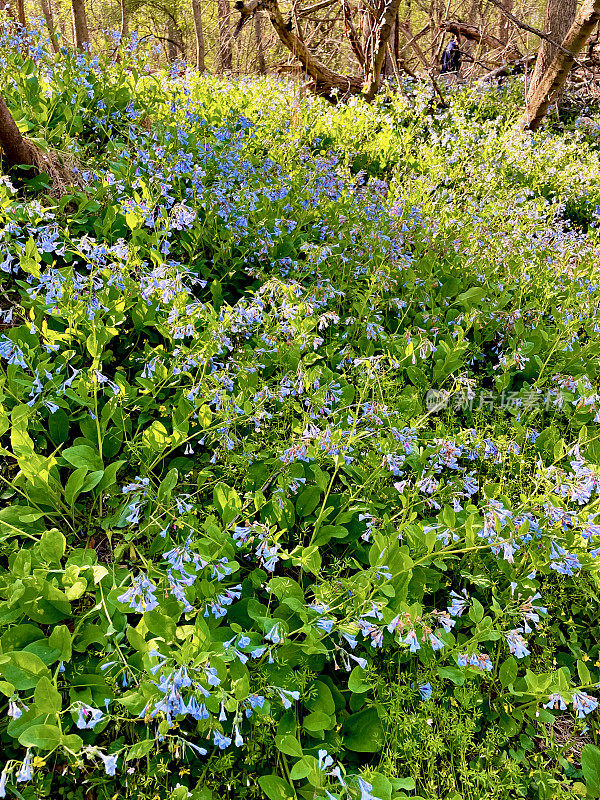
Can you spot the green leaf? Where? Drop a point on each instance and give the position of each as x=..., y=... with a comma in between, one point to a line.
x=61, y=640
x=110, y=475
x=205, y=416
x=74, y=484
x=321, y=699
x=283, y=587
x=275, y=788
x=590, y=764
x=136, y=640
x=363, y=732
x=52, y=546
x=82, y=455
x=46, y=697
x=168, y=484
x=311, y=559
x=227, y=501
x=318, y=721
x=160, y=625
x=508, y=671
x=308, y=500
x=24, y=670
x=356, y=681
x=44, y=737
x=584, y=673
x=472, y=296
x=58, y=426
x=453, y=674
x=289, y=745
x=156, y=437
x=140, y=749
x=300, y=770
x=476, y=612
x=73, y=741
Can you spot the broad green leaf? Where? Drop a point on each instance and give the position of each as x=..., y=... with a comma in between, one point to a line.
x=110, y=475
x=43, y=737
x=61, y=639
x=46, y=697
x=140, y=749
x=508, y=671
x=356, y=681
x=289, y=745
x=308, y=500
x=73, y=741
x=168, y=484
x=318, y=721
x=24, y=670
x=52, y=546
x=275, y=788
x=156, y=437
x=362, y=732
x=74, y=484
x=82, y=455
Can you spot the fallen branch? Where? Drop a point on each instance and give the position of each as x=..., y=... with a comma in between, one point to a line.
x=509, y=69
x=475, y=34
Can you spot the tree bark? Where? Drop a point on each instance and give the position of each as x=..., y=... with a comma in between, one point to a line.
x=80, y=27
x=21, y=13
x=380, y=48
x=555, y=77
x=225, y=48
x=258, y=37
x=199, y=30
x=48, y=16
x=171, y=41
x=503, y=26
x=124, y=20
x=351, y=33
x=560, y=15
x=15, y=148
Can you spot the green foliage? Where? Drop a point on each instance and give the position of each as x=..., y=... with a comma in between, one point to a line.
x=299, y=424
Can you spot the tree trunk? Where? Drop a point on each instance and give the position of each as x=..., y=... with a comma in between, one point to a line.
x=199, y=30
x=367, y=14
x=80, y=28
x=504, y=24
x=225, y=49
x=171, y=41
x=559, y=18
x=351, y=34
x=258, y=36
x=48, y=16
x=21, y=13
x=383, y=31
x=555, y=77
x=15, y=148
x=124, y=20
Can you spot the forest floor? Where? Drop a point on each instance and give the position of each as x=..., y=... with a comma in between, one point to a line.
x=300, y=443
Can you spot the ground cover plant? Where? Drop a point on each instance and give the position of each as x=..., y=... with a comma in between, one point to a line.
x=300, y=441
